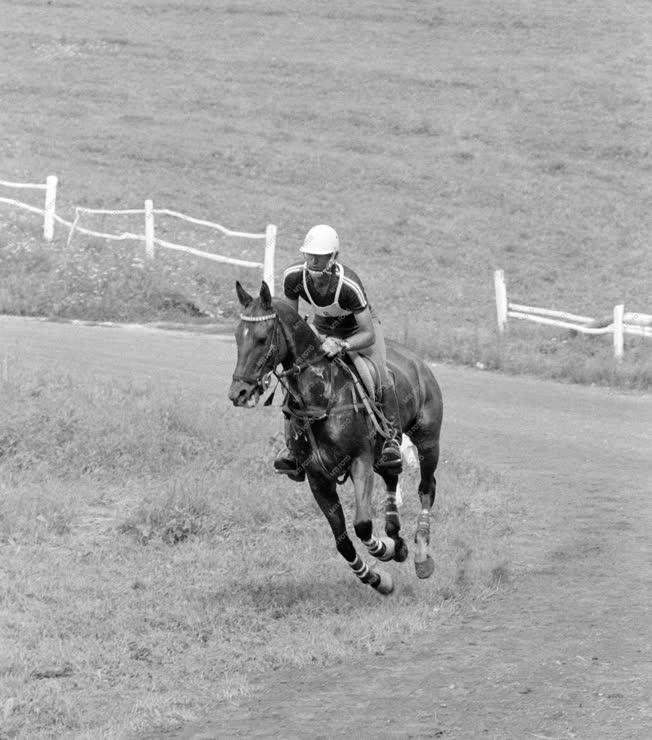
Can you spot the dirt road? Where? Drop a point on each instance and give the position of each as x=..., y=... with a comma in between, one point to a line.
x=564, y=651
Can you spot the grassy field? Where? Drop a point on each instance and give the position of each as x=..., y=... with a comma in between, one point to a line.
x=147, y=574
x=442, y=141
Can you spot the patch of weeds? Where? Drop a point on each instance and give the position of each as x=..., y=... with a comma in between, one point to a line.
x=33, y=511
x=48, y=709
x=75, y=428
x=463, y=579
x=358, y=146
x=555, y=168
x=100, y=282
x=545, y=352
x=171, y=525
x=500, y=574
x=577, y=358
x=186, y=511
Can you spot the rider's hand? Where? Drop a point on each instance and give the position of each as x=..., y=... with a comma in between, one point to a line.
x=332, y=347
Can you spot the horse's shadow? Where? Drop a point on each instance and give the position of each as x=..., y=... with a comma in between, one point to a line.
x=331, y=593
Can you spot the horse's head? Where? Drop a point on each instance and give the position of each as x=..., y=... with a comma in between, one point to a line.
x=261, y=346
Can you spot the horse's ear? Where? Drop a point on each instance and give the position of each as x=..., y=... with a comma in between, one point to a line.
x=265, y=296
x=243, y=296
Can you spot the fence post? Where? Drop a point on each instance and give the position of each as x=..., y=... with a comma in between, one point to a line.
x=501, y=299
x=149, y=229
x=619, y=311
x=268, y=261
x=50, y=205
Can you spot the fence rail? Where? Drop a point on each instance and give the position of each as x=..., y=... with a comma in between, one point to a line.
x=148, y=237
x=49, y=208
x=618, y=324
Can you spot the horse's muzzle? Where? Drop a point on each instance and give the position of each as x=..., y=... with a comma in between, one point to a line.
x=244, y=394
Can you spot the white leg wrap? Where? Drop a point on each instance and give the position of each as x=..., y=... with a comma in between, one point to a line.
x=383, y=548
x=359, y=567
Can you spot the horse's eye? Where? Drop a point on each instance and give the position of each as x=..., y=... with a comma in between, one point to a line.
x=260, y=340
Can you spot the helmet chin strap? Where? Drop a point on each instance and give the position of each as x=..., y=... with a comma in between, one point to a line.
x=328, y=268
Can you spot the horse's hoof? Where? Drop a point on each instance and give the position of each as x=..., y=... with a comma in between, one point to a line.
x=425, y=568
x=401, y=552
x=385, y=585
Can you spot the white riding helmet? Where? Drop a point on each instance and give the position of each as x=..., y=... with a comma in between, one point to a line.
x=321, y=239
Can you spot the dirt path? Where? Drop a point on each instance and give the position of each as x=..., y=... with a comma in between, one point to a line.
x=563, y=652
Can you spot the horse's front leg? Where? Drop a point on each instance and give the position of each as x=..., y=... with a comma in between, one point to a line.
x=392, y=520
x=325, y=492
x=362, y=475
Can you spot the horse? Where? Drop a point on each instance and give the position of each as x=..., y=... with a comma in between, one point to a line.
x=329, y=431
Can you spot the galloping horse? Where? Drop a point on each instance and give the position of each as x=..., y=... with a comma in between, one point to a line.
x=330, y=432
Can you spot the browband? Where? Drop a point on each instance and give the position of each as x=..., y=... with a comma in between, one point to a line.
x=257, y=318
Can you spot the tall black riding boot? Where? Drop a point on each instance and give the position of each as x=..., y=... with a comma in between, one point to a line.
x=390, y=457
x=286, y=462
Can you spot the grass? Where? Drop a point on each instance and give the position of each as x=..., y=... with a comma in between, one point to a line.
x=442, y=142
x=150, y=568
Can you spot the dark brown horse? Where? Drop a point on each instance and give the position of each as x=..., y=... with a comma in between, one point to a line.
x=331, y=434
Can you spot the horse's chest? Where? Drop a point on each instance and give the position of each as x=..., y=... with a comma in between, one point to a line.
x=317, y=383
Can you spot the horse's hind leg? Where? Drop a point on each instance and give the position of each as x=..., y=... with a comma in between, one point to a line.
x=362, y=475
x=325, y=492
x=428, y=459
x=392, y=521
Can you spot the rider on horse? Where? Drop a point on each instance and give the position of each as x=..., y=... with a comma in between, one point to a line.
x=345, y=321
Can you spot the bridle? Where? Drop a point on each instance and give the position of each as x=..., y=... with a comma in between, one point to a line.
x=271, y=351
x=271, y=358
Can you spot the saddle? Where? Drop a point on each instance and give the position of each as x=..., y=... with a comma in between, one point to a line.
x=367, y=372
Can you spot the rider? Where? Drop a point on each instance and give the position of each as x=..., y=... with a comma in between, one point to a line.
x=346, y=321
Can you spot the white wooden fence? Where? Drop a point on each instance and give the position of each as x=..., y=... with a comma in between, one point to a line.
x=48, y=211
x=619, y=324
x=148, y=236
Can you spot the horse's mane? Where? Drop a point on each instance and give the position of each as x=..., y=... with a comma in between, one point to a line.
x=298, y=325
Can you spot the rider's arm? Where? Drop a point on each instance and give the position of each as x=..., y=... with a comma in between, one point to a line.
x=365, y=336
x=294, y=302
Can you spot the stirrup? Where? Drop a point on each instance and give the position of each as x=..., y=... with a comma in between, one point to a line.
x=391, y=457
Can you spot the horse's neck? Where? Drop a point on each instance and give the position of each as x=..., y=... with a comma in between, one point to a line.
x=304, y=349
x=302, y=342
